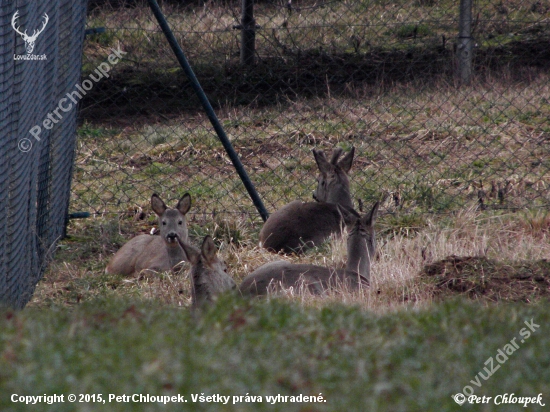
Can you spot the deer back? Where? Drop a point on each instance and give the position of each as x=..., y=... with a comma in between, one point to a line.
x=278, y=275
x=298, y=226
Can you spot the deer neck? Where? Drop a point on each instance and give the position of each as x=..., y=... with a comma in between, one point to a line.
x=175, y=254
x=359, y=254
x=341, y=197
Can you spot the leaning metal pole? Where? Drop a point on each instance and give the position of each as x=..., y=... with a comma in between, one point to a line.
x=209, y=110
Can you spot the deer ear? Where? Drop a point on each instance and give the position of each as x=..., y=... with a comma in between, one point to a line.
x=208, y=249
x=347, y=161
x=190, y=252
x=348, y=214
x=370, y=217
x=184, y=204
x=335, y=155
x=322, y=163
x=158, y=205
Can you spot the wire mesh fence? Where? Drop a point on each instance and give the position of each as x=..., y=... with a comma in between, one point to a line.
x=40, y=59
x=377, y=75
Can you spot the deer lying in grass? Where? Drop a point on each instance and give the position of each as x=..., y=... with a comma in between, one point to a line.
x=361, y=246
x=208, y=272
x=155, y=253
x=298, y=226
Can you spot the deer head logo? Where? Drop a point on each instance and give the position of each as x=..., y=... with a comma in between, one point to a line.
x=29, y=40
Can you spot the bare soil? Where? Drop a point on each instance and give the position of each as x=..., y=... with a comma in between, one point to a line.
x=480, y=278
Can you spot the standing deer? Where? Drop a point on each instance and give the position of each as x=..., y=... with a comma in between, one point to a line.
x=29, y=40
x=208, y=272
x=361, y=246
x=155, y=253
x=298, y=226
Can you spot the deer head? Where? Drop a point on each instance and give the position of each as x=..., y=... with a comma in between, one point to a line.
x=29, y=40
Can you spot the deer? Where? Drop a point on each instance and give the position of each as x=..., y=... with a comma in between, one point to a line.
x=361, y=247
x=298, y=225
x=29, y=40
x=155, y=253
x=208, y=272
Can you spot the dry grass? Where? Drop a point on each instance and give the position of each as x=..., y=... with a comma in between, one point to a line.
x=396, y=281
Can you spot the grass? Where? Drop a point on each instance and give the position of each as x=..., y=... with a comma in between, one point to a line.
x=304, y=50
x=434, y=148
x=327, y=27
x=408, y=343
x=402, y=361
x=407, y=245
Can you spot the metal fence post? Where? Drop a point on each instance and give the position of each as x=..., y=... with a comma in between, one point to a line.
x=465, y=42
x=248, y=33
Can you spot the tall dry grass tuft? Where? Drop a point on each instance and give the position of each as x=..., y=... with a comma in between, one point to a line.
x=395, y=272
x=395, y=281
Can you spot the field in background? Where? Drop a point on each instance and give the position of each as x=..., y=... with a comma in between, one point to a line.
x=435, y=150
x=378, y=75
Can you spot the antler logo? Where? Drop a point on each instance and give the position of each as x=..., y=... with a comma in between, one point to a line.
x=29, y=40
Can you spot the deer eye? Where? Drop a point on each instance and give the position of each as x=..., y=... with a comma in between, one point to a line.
x=163, y=223
x=180, y=222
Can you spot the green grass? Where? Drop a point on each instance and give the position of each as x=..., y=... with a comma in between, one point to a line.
x=413, y=30
x=358, y=361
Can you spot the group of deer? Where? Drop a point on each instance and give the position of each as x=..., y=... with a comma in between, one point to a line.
x=294, y=228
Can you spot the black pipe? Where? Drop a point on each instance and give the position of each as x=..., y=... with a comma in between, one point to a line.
x=209, y=110
x=79, y=215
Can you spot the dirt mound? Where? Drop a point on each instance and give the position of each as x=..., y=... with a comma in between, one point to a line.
x=485, y=279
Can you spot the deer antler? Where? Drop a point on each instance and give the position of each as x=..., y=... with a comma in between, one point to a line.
x=13, y=19
x=37, y=32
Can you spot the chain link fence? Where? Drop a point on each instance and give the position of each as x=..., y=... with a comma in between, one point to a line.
x=378, y=75
x=40, y=58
